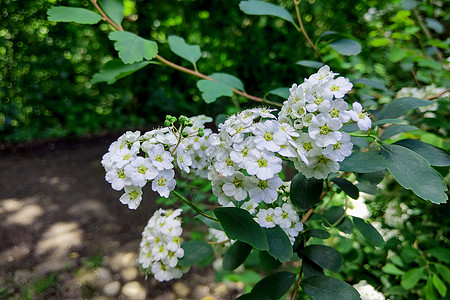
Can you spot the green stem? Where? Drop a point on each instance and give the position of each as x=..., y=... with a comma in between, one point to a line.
x=192, y=205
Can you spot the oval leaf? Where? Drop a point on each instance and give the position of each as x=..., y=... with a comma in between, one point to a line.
x=346, y=47
x=275, y=285
x=400, y=106
x=253, y=296
x=268, y=262
x=239, y=224
x=116, y=69
x=114, y=9
x=439, y=285
x=132, y=48
x=310, y=63
x=283, y=92
x=318, y=233
x=369, y=232
x=392, y=269
x=73, y=14
x=279, y=244
x=324, y=256
x=194, y=252
x=310, y=269
x=321, y=287
x=236, y=255
x=348, y=187
x=177, y=45
x=411, y=278
x=211, y=90
x=435, y=156
x=227, y=79
x=441, y=254
x=265, y=8
x=365, y=162
x=305, y=192
x=396, y=129
x=413, y=172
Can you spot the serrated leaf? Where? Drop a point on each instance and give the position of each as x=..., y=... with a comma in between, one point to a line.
x=211, y=90
x=435, y=156
x=283, y=92
x=191, y=53
x=411, y=278
x=116, y=69
x=392, y=269
x=439, y=285
x=369, y=232
x=396, y=129
x=265, y=8
x=114, y=9
x=73, y=14
x=441, y=254
x=413, y=172
x=365, y=162
x=239, y=224
x=236, y=255
x=305, y=192
x=346, y=47
x=275, y=285
x=132, y=48
x=194, y=252
x=324, y=256
x=310, y=64
x=348, y=187
x=321, y=287
x=400, y=106
x=279, y=244
x=229, y=80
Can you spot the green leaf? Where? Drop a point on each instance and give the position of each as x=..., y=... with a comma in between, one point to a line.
x=392, y=269
x=439, y=285
x=113, y=9
x=239, y=224
x=435, y=25
x=388, y=121
x=321, y=287
x=397, y=54
x=194, y=252
x=268, y=262
x=365, y=162
x=333, y=214
x=346, y=225
x=318, y=233
x=428, y=63
x=211, y=90
x=310, y=63
x=435, y=156
x=413, y=172
x=132, y=48
x=400, y=106
x=346, y=47
x=253, y=296
x=209, y=222
x=429, y=290
x=73, y=14
x=275, y=285
x=191, y=53
x=310, y=269
x=411, y=278
x=116, y=69
x=369, y=232
x=283, y=92
x=375, y=83
x=324, y=256
x=236, y=255
x=348, y=187
x=279, y=244
x=396, y=129
x=441, y=254
x=305, y=192
x=265, y=8
x=444, y=272
x=229, y=80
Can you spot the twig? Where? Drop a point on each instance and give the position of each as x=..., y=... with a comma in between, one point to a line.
x=192, y=205
x=302, y=29
x=105, y=16
x=297, y=283
x=428, y=35
x=438, y=95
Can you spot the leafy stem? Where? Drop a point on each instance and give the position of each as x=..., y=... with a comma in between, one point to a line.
x=302, y=29
x=193, y=206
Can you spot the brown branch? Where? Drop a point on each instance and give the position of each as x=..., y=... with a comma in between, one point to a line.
x=438, y=95
x=302, y=29
x=298, y=282
x=105, y=16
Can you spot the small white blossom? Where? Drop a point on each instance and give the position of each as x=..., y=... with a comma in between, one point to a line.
x=164, y=183
x=132, y=196
x=361, y=117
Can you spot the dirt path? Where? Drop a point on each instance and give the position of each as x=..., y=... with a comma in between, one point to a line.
x=65, y=235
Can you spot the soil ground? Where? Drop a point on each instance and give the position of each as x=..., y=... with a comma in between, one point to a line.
x=65, y=235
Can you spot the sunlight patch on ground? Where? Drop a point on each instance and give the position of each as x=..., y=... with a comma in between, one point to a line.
x=56, y=182
x=26, y=215
x=59, y=239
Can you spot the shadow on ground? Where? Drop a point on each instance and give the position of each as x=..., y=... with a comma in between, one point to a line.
x=65, y=235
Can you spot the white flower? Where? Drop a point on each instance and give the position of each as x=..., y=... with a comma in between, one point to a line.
x=124, y=156
x=338, y=110
x=266, y=190
x=340, y=86
x=117, y=178
x=239, y=153
x=164, y=183
x=237, y=185
x=250, y=206
x=368, y=292
x=266, y=218
x=361, y=117
x=340, y=150
x=324, y=131
x=132, y=196
x=183, y=159
x=269, y=136
x=140, y=170
x=160, y=158
x=263, y=164
x=224, y=164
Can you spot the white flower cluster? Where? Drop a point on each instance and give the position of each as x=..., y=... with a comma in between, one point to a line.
x=317, y=111
x=368, y=292
x=396, y=214
x=135, y=159
x=423, y=93
x=160, y=246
